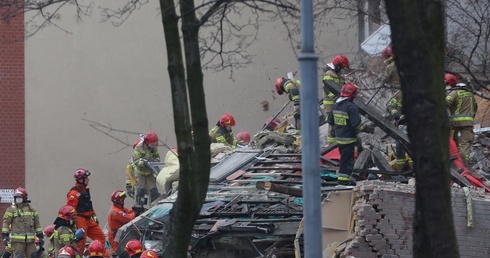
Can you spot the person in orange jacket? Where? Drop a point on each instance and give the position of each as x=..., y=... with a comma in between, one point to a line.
x=79, y=198
x=118, y=216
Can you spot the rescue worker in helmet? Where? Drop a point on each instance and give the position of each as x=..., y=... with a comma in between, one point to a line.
x=243, y=138
x=48, y=232
x=292, y=88
x=145, y=152
x=134, y=248
x=346, y=123
x=96, y=249
x=222, y=131
x=21, y=226
x=332, y=75
x=395, y=104
x=462, y=108
x=118, y=216
x=65, y=232
x=149, y=254
x=67, y=252
x=130, y=177
x=79, y=198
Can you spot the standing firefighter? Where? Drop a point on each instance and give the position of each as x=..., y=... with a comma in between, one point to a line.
x=21, y=227
x=79, y=198
x=332, y=75
x=118, y=216
x=394, y=107
x=144, y=152
x=291, y=87
x=462, y=107
x=346, y=122
x=222, y=131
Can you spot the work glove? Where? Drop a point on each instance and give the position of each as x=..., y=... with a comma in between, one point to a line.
x=79, y=234
x=94, y=217
x=369, y=129
x=6, y=239
x=40, y=236
x=129, y=190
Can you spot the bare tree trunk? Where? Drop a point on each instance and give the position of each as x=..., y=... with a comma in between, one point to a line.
x=192, y=141
x=418, y=42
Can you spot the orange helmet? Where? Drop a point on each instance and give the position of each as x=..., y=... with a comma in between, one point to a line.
x=81, y=173
x=67, y=212
x=66, y=252
x=118, y=197
x=340, y=61
x=243, y=137
x=133, y=247
x=387, y=52
x=20, y=192
x=96, y=248
x=451, y=79
x=149, y=254
x=278, y=85
x=349, y=90
x=150, y=138
x=48, y=231
x=227, y=120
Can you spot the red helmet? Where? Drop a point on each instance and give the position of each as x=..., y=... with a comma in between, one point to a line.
x=150, y=138
x=133, y=247
x=20, y=192
x=243, y=137
x=118, y=197
x=451, y=79
x=349, y=90
x=67, y=212
x=81, y=173
x=149, y=254
x=48, y=231
x=96, y=248
x=387, y=52
x=66, y=252
x=227, y=120
x=272, y=125
x=340, y=61
x=278, y=85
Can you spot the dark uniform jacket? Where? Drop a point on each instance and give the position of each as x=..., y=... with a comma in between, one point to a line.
x=345, y=120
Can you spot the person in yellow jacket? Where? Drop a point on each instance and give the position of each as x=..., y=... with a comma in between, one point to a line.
x=143, y=153
x=332, y=75
x=292, y=88
x=462, y=108
x=21, y=226
x=222, y=131
x=130, y=177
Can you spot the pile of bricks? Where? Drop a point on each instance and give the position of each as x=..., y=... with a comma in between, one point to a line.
x=384, y=214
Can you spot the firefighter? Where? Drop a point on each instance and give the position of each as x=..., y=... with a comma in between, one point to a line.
x=65, y=233
x=243, y=138
x=96, y=249
x=144, y=152
x=67, y=252
x=21, y=226
x=48, y=232
x=333, y=75
x=149, y=254
x=130, y=178
x=394, y=107
x=222, y=131
x=118, y=216
x=346, y=122
x=291, y=87
x=462, y=108
x=39, y=249
x=134, y=248
x=79, y=198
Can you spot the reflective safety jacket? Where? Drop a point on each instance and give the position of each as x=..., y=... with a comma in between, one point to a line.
x=79, y=198
x=118, y=216
x=22, y=222
x=328, y=96
x=345, y=120
x=142, y=152
x=462, y=107
x=291, y=87
x=63, y=236
x=395, y=103
x=220, y=134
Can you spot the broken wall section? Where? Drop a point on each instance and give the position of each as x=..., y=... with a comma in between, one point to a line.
x=384, y=215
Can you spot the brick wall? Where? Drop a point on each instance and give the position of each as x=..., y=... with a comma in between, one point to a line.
x=383, y=215
x=12, y=122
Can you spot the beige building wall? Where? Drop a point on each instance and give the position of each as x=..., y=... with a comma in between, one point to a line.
x=117, y=76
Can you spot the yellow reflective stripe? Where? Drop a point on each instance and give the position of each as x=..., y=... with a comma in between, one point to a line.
x=5, y=230
x=331, y=139
x=22, y=237
x=331, y=78
x=345, y=140
x=400, y=161
x=328, y=102
x=331, y=95
x=221, y=139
